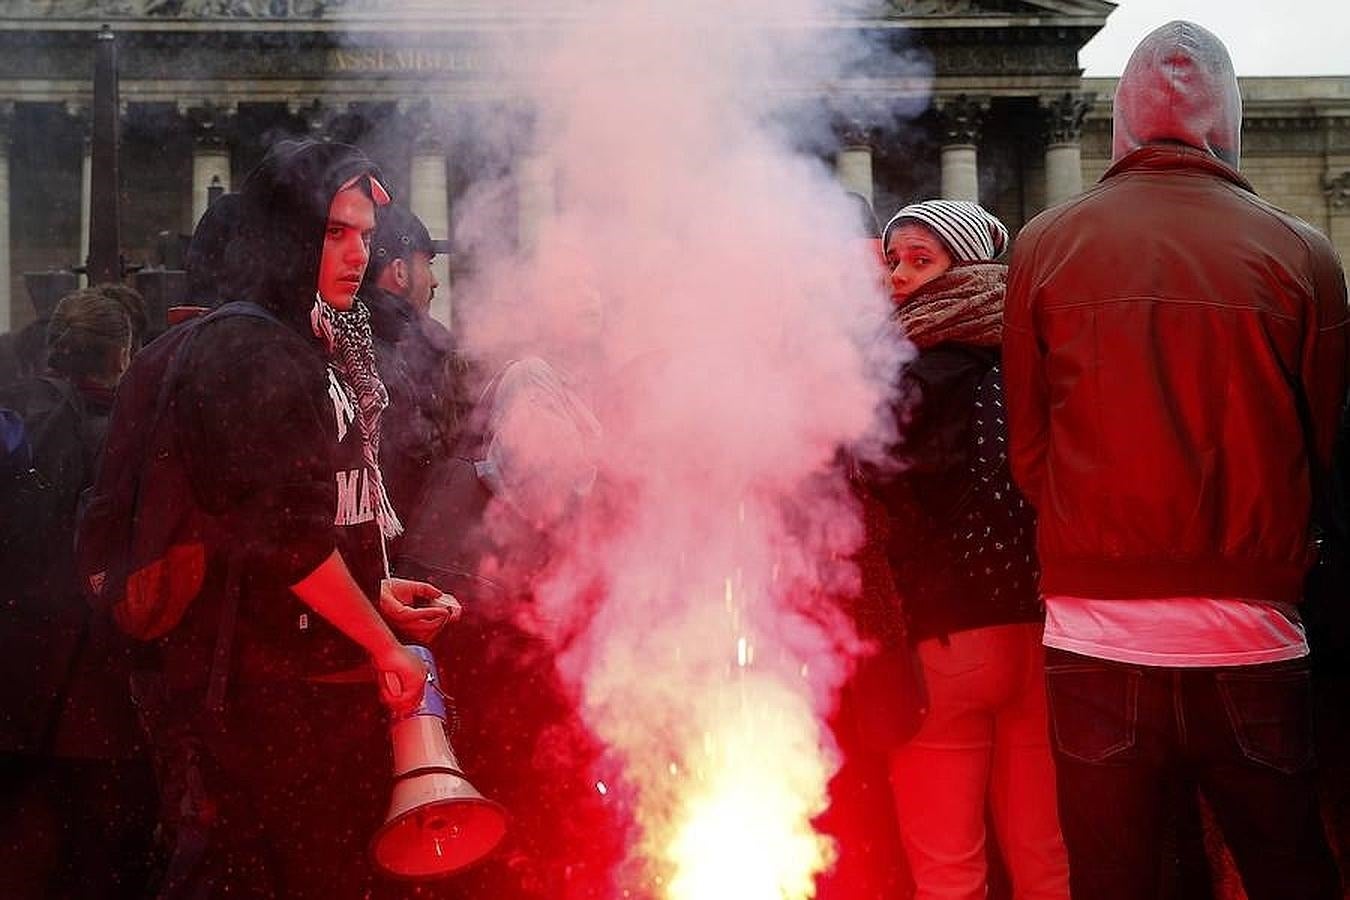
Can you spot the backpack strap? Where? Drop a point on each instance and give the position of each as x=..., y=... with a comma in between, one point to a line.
x=233, y=308
x=218, y=677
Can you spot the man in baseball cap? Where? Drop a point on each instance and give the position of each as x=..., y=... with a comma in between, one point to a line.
x=413, y=351
x=401, y=252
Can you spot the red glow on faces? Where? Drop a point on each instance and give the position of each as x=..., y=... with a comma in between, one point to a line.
x=916, y=256
x=346, y=247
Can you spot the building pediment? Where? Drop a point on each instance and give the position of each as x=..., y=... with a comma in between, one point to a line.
x=193, y=9
x=1078, y=9
x=410, y=11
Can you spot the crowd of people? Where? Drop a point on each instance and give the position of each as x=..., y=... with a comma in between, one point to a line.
x=1091, y=572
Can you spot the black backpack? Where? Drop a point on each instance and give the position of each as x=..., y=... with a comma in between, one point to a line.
x=141, y=544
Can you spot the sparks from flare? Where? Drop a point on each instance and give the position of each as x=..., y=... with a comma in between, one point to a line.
x=742, y=829
x=745, y=797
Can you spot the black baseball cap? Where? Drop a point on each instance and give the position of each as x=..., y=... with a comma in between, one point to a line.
x=398, y=235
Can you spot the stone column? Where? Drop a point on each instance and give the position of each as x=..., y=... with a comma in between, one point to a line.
x=429, y=199
x=536, y=196
x=1063, y=154
x=853, y=163
x=960, y=119
x=6, y=294
x=79, y=113
x=211, y=128
x=86, y=195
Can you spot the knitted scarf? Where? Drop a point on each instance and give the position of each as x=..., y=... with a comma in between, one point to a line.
x=346, y=337
x=963, y=305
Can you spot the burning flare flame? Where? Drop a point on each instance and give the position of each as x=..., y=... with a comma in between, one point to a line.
x=741, y=827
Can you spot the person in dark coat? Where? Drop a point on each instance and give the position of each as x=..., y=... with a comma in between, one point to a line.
x=79, y=792
x=960, y=549
x=414, y=353
x=286, y=770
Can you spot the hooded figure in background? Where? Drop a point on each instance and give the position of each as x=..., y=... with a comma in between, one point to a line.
x=277, y=751
x=205, y=262
x=1175, y=355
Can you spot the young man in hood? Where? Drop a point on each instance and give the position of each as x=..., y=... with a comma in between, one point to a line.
x=277, y=421
x=1175, y=351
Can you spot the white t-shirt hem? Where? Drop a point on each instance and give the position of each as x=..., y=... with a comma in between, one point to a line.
x=1176, y=661
x=1176, y=632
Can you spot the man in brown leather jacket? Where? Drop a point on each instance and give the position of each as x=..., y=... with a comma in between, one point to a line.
x=1175, y=355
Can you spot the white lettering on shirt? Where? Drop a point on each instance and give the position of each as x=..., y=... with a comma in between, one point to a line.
x=366, y=510
x=348, y=483
x=355, y=494
x=343, y=410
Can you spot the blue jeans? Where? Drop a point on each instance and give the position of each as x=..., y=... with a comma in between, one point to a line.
x=1122, y=732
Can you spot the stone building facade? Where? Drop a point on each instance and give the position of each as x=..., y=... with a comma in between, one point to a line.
x=996, y=110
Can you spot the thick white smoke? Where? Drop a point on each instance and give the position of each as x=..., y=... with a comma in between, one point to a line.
x=704, y=288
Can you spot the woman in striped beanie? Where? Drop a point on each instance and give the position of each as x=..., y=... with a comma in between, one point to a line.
x=961, y=550
x=939, y=252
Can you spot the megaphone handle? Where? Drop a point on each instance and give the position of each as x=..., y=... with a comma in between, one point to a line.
x=451, y=709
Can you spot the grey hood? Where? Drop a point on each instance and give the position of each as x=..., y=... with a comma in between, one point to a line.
x=1179, y=87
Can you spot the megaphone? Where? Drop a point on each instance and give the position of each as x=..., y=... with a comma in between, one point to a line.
x=438, y=823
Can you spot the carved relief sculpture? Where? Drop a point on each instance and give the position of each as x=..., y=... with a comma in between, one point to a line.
x=1064, y=116
x=932, y=7
x=961, y=119
x=1337, y=191
x=212, y=123
x=188, y=9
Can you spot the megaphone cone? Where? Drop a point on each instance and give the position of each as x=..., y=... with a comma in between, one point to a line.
x=437, y=823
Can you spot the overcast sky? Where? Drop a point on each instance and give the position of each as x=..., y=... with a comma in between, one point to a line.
x=1264, y=37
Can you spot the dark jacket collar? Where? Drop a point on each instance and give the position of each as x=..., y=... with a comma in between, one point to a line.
x=1163, y=157
x=391, y=316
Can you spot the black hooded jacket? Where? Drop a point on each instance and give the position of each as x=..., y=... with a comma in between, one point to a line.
x=206, y=254
x=413, y=354
x=267, y=433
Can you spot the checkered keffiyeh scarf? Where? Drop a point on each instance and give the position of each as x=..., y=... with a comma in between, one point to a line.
x=963, y=305
x=346, y=337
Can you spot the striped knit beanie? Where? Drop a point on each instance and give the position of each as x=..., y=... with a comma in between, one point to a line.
x=970, y=233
